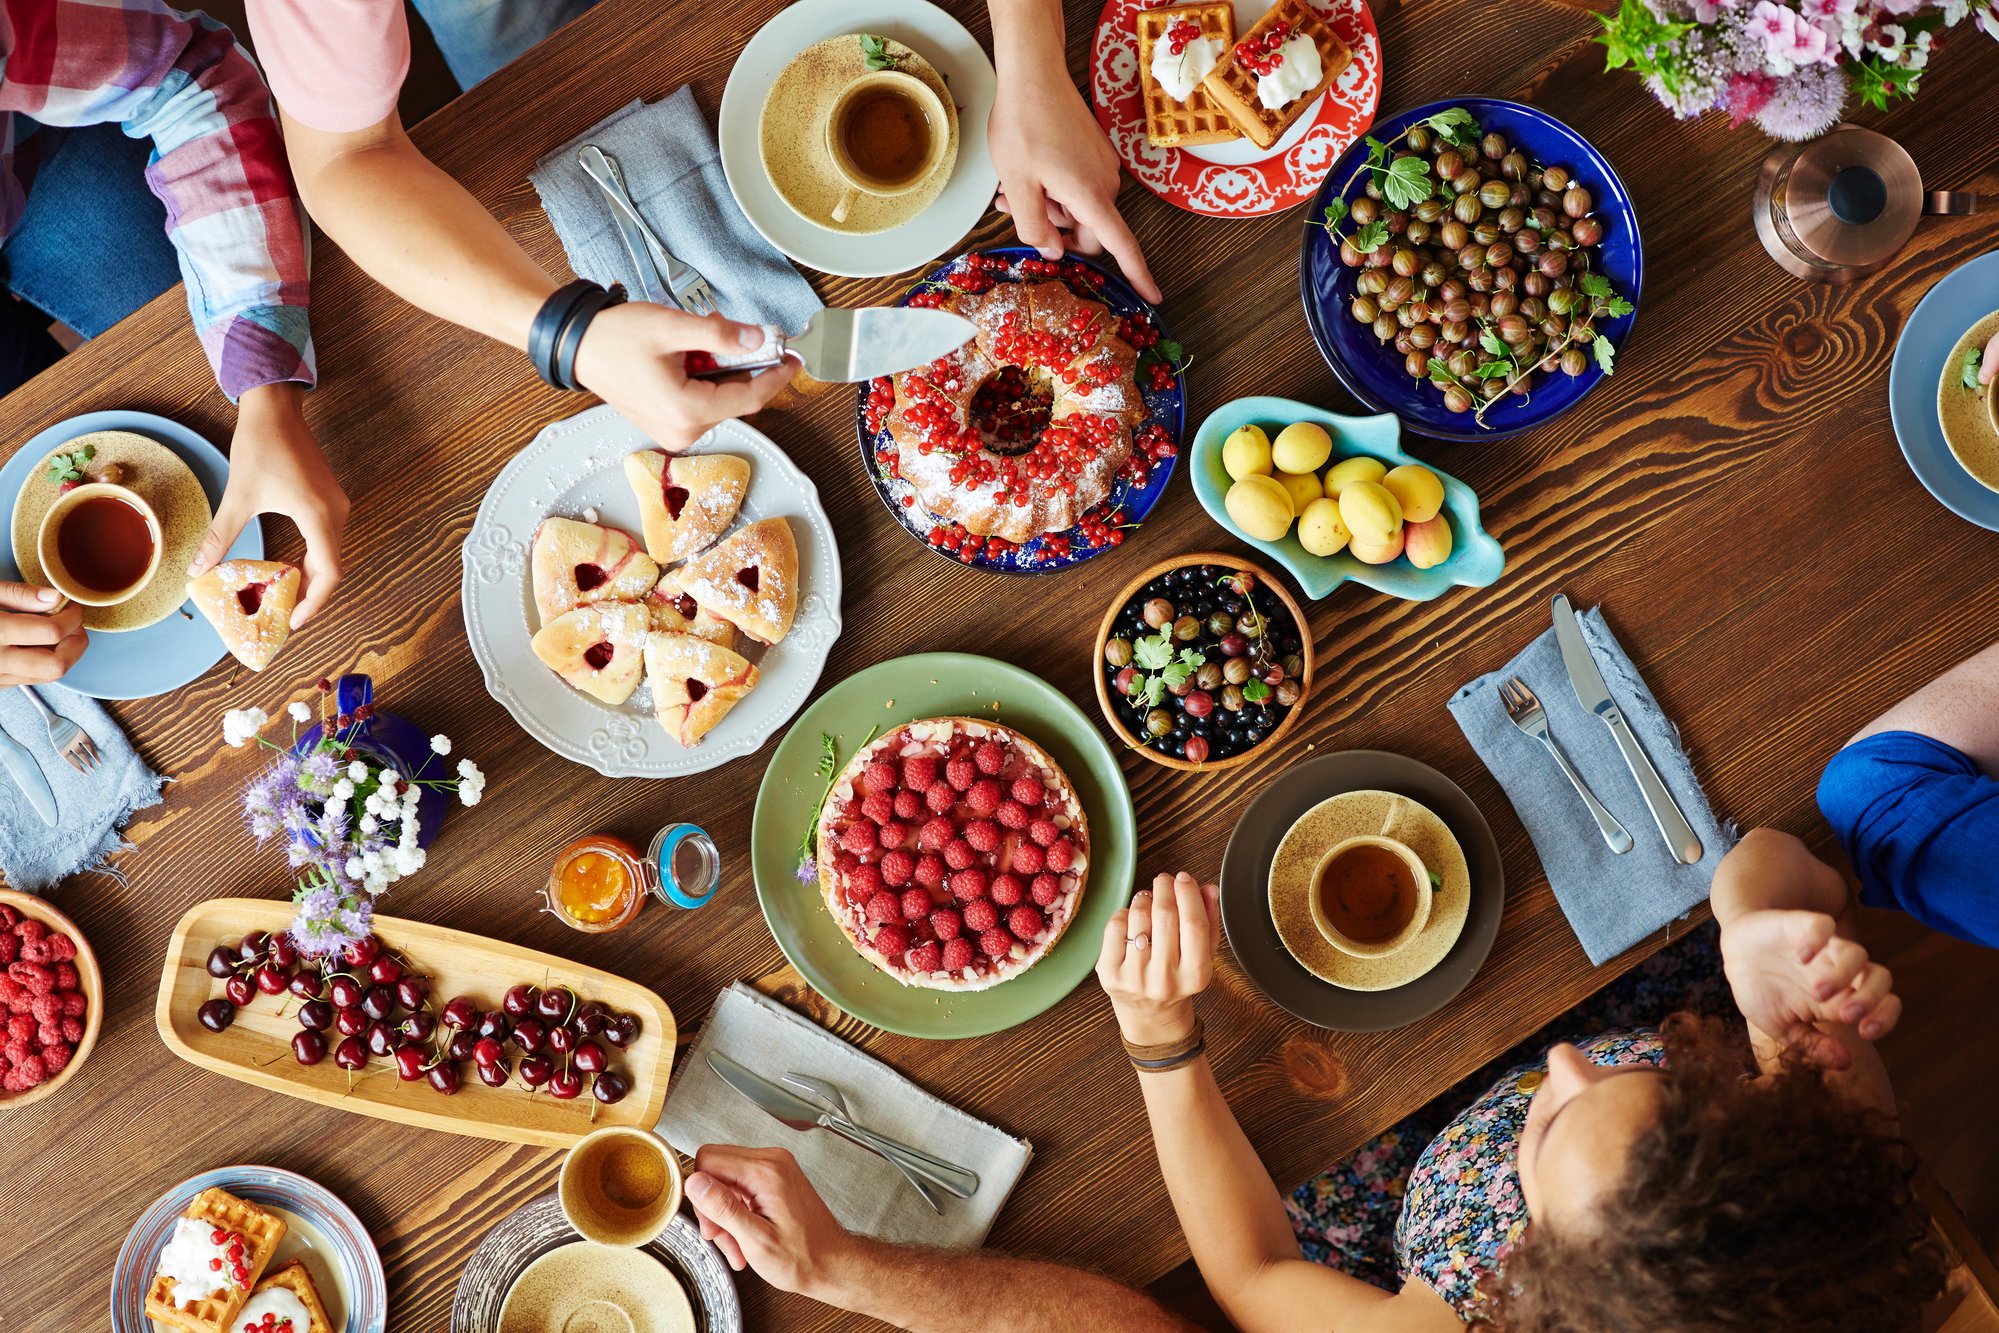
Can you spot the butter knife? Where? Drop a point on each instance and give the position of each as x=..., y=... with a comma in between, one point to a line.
x=1594, y=695
x=28, y=776
x=600, y=169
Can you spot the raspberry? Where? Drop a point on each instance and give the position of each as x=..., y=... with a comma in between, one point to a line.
x=946, y=923
x=1028, y=791
x=45, y=1008
x=929, y=869
x=990, y=757
x=859, y=837
x=957, y=953
x=1025, y=922
x=34, y=978
x=864, y=881
x=958, y=854
x=11, y=1082
x=61, y=947
x=10, y=947
x=884, y=907
x=926, y=958
x=19, y=1006
x=879, y=777
x=17, y=1051
x=48, y=1034
x=8, y=917
x=36, y=951
x=919, y=774
x=892, y=834
x=20, y=1027
x=30, y=1071
x=10, y=989
x=1028, y=858
x=1061, y=856
x=897, y=868
x=30, y=929
x=1006, y=890
x=984, y=796
x=915, y=904
x=1012, y=814
x=961, y=773
x=1043, y=831
x=892, y=942
x=983, y=834
x=73, y=1004
x=968, y=884
x=981, y=915
x=72, y=1029
x=935, y=834
x=1047, y=889
x=66, y=977
x=908, y=807
x=57, y=1057
x=879, y=806
x=995, y=943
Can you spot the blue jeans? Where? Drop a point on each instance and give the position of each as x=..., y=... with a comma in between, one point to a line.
x=479, y=36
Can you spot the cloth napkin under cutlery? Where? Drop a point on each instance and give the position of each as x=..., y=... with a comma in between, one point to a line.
x=673, y=173
x=864, y=1191
x=1612, y=901
x=91, y=807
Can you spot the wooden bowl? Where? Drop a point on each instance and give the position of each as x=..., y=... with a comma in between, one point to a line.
x=90, y=981
x=1269, y=580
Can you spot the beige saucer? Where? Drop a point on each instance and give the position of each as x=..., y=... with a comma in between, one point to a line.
x=1969, y=417
x=1352, y=814
x=156, y=473
x=587, y=1288
x=791, y=136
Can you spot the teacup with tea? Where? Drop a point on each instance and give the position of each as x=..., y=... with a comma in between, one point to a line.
x=1371, y=894
x=886, y=135
x=99, y=544
x=620, y=1186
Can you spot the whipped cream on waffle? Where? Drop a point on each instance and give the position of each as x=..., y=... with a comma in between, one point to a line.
x=1298, y=69
x=285, y=1309
x=187, y=1260
x=1179, y=74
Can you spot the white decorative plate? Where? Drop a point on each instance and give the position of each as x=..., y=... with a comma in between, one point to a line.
x=578, y=464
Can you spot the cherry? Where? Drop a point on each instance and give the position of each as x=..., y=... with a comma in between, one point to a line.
x=308, y=1047
x=317, y=1015
x=488, y=1051
x=445, y=1079
x=270, y=980
x=562, y=1040
x=553, y=1004
x=379, y=1002
x=535, y=1071
x=622, y=1030
x=411, y=992
x=351, y=1054
x=590, y=1014
x=240, y=990
x=461, y=1013
x=565, y=1085
x=349, y=1022
x=609, y=1088
x=409, y=1063
x=590, y=1057
x=493, y=1075
x=519, y=1001
x=494, y=1024
x=345, y=992
x=418, y=1027
x=362, y=952
x=381, y=1038
x=283, y=951
x=530, y=1034
x=385, y=971
x=216, y=1015
x=254, y=946
x=307, y=984
x=461, y=1044
x=221, y=961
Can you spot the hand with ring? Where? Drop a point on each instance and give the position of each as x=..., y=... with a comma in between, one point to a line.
x=1158, y=954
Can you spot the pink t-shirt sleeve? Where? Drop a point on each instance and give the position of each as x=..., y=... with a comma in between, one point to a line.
x=335, y=65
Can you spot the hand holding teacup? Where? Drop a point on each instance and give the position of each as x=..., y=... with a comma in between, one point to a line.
x=41, y=634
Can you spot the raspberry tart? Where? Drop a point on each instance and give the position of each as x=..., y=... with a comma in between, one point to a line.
x=953, y=852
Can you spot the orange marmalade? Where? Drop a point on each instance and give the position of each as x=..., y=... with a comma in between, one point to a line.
x=595, y=884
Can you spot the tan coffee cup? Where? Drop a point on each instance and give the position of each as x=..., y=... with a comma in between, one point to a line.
x=620, y=1186
x=1419, y=916
x=48, y=544
x=857, y=179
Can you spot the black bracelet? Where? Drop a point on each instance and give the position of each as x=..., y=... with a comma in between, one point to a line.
x=570, y=340
x=548, y=323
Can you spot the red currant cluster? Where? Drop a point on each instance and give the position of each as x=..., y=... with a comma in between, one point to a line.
x=935, y=420
x=270, y=1324
x=1099, y=529
x=1156, y=441
x=1180, y=34
x=966, y=546
x=889, y=463
x=1161, y=376
x=1065, y=450
x=881, y=400
x=1138, y=330
x=973, y=470
x=239, y=1264
x=931, y=300
x=1043, y=349
x=1260, y=54
x=1041, y=268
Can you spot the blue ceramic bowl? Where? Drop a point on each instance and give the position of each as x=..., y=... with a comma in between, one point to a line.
x=1374, y=372
x=1476, y=559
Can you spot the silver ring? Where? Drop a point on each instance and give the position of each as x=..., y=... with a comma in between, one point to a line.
x=1139, y=941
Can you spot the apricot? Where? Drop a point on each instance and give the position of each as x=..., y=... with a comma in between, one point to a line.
x=1304, y=488
x=1429, y=542
x=1260, y=507
x=1378, y=555
x=1371, y=512
x=1246, y=453
x=1320, y=530
x=1418, y=491
x=1303, y=447
x=1347, y=471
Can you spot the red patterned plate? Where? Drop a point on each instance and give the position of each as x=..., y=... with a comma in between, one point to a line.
x=1235, y=179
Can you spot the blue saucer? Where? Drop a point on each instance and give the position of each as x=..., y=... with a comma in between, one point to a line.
x=1959, y=300
x=140, y=663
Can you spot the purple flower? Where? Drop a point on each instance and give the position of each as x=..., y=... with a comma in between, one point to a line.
x=1805, y=105
x=808, y=871
x=321, y=768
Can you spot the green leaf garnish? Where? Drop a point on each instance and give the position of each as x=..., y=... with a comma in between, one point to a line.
x=1377, y=153
x=1371, y=237
x=1407, y=182
x=1972, y=358
x=1617, y=306
x=876, y=51
x=828, y=768
x=1448, y=119
x=1176, y=673
x=1336, y=213
x=1153, y=652
x=1491, y=343
x=1255, y=691
x=1154, y=691
x=1604, y=356
x=1493, y=370
x=1436, y=880
x=1595, y=284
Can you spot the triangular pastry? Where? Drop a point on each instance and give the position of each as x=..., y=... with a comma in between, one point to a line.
x=673, y=611
x=250, y=604
x=750, y=580
x=686, y=501
x=578, y=563
x=597, y=648
x=694, y=683
x=286, y=1293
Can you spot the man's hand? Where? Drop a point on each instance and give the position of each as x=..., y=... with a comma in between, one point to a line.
x=633, y=357
x=761, y=1212
x=275, y=467
x=1790, y=971
x=35, y=647
x=1158, y=954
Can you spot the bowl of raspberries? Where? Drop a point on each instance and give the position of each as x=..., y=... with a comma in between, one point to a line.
x=51, y=999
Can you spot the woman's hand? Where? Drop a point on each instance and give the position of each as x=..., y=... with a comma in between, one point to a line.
x=35, y=646
x=1158, y=955
x=634, y=357
x=1790, y=972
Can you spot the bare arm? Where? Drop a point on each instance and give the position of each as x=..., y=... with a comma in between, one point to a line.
x=1960, y=707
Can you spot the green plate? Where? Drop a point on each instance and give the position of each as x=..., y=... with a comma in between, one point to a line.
x=886, y=696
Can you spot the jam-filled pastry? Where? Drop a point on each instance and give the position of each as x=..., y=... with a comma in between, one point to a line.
x=250, y=604
x=686, y=501
x=673, y=611
x=599, y=648
x=750, y=580
x=694, y=683
x=579, y=563
x=217, y=1250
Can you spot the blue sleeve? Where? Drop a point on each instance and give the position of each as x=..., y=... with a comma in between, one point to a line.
x=1921, y=825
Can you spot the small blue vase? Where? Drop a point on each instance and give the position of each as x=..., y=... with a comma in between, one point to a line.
x=391, y=740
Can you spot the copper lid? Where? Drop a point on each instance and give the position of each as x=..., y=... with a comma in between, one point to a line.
x=1851, y=199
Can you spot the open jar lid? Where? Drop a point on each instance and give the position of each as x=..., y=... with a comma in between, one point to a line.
x=682, y=866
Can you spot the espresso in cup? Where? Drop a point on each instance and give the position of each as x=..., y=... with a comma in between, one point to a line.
x=99, y=544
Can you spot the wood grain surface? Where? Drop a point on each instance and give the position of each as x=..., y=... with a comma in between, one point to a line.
x=1734, y=498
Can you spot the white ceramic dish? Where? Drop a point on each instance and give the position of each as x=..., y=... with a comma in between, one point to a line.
x=577, y=464
x=922, y=27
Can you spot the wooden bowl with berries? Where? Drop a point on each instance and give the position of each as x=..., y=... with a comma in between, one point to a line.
x=1203, y=661
x=51, y=999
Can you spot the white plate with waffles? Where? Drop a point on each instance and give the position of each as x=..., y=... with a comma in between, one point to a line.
x=1234, y=178
x=575, y=469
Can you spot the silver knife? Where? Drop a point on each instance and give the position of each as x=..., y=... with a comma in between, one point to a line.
x=798, y=1113
x=840, y=346
x=1594, y=695
x=598, y=168
x=28, y=775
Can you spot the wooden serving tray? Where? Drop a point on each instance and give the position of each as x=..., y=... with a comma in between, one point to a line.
x=455, y=963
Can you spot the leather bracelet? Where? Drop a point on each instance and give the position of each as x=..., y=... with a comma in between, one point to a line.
x=570, y=340
x=1168, y=1055
x=548, y=323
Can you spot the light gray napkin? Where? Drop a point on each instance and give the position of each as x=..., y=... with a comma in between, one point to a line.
x=864, y=1191
x=92, y=806
x=1612, y=901
x=674, y=175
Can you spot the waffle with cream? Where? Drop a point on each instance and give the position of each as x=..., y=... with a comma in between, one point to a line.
x=218, y=1249
x=289, y=1298
x=1287, y=41
x=1179, y=111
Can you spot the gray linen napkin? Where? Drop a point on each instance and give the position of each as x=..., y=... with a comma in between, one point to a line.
x=674, y=174
x=864, y=1191
x=1612, y=901
x=92, y=806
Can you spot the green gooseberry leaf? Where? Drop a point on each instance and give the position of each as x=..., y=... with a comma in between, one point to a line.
x=1494, y=370
x=1154, y=691
x=1407, y=183
x=1618, y=306
x=1972, y=357
x=1436, y=880
x=1604, y=356
x=1371, y=237
x=88, y=452
x=1153, y=651
x=1595, y=284
x=1491, y=343
x=1194, y=658
x=876, y=51
x=1335, y=213
x=1448, y=119
x=1377, y=154
x=1441, y=370
x=1255, y=691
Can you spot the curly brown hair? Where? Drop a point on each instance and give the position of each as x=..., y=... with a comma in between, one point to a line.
x=1771, y=1204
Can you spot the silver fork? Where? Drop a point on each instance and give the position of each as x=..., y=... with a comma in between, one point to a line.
x=71, y=741
x=1526, y=713
x=828, y=1098
x=689, y=288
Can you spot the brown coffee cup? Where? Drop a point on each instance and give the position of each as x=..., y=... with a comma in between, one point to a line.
x=620, y=1186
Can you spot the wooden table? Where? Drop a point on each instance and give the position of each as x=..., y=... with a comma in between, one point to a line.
x=1734, y=497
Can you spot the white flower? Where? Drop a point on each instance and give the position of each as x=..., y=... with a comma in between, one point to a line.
x=467, y=793
x=411, y=799
x=356, y=867
x=442, y=743
x=367, y=823
x=358, y=771
x=343, y=790
x=1954, y=12
x=409, y=860
x=373, y=805
x=409, y=834
x=240, y=725
x=469, y=770
x=300, y=713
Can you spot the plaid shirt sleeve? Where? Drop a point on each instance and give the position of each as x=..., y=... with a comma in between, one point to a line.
x=217, y=163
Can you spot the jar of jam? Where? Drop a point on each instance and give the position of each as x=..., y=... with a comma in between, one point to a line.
x=682, y=866
x=597, y=884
